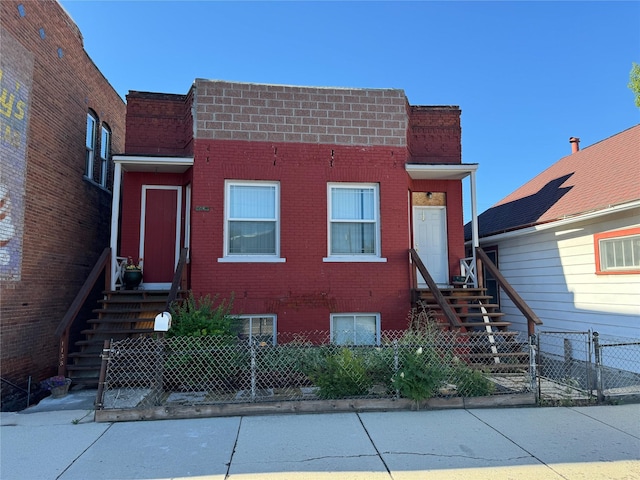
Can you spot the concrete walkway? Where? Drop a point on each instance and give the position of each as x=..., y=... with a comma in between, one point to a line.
x=55, y=441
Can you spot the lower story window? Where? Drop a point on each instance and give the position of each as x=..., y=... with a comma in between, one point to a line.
x=355, y=329
x=257, y=328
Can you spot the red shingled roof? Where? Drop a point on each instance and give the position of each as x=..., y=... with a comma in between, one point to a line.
x=599, y=176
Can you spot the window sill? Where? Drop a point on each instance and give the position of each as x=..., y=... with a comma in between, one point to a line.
x=354, y=259
x=618, y=272
x=96, y=184
x=251, y=259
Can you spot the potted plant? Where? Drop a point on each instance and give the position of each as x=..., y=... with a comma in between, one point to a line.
x=132, y=273
x=58, y=385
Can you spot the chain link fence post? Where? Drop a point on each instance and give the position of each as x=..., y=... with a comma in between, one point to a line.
x=598, y=355
x=106, y=350
x=396, y=361
x=533, y=381
x=253, y=371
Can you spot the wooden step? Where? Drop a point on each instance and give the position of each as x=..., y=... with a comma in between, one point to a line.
x=502, y=367
x=475, y=334
x=456, y=296
x=460, y=306
x=463, y=315
x=472, y=355
x=83, y=356
x=88, y=381
x=116, y=301
x=485, y=324
x=98, y=321
x=83, y=368
x=116, y=331
x=119, y=311
x=136, y=292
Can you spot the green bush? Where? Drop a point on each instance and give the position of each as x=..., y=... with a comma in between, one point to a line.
x=470, y=382
x=420, y=374
x=378, y=363
x=202, y=318
x=339, y=375
x=199, y=363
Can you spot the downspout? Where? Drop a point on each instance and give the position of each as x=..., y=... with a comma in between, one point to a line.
x=115, y=221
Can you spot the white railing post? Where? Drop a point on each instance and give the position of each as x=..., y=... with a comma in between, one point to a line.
x=468, y=271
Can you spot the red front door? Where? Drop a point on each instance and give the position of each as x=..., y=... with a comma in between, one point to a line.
x=160, y=233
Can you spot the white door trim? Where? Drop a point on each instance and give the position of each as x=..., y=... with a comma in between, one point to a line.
x=143, y=207
x=443, y=280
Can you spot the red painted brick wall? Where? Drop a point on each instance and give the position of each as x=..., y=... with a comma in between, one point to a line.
x=304, y=138
x=65, y=221
x=159, y=124
x=434, y=134
x=304, y=290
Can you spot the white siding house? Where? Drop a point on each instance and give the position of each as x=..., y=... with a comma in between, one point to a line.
x=568, y=241
x=553, y=268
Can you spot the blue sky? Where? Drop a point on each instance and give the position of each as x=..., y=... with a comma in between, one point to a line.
x=526, y=75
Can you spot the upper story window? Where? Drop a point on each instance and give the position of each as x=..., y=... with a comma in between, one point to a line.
x=252, y=223
x=354, y=224
x=105, y=153
x=355, y=329
x=90, y=144
x=618, y=252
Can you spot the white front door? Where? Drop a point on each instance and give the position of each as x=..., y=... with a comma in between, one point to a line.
x=430, y=241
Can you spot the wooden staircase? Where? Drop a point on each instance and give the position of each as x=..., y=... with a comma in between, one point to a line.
x=123, y=314
x=485, y=339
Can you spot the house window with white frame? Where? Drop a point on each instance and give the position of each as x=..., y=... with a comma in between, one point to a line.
x=354, y=223
x=90, y=144
x=355, y=328
x=260, y=329
x=105, y=153
x=618, y=252
x=252, y=230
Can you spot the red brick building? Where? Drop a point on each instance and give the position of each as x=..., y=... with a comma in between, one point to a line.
x=60, y=120
x=301, y=202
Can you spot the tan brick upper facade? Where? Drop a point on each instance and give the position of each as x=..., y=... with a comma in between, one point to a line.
x=280, y=113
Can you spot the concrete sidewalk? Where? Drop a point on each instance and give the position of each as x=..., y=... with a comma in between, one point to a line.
x=50, y=441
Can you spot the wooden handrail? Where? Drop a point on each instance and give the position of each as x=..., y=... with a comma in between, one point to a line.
x=532, y=318
x=62, y=332
x=448, y=312
x=177, y=278
x=84, y=292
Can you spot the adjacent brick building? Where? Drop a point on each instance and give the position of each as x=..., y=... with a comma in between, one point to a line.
x=301, y=202
x=60, y=121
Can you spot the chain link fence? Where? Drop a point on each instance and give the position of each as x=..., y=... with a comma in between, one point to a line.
x=146, y=372
x=586, y=367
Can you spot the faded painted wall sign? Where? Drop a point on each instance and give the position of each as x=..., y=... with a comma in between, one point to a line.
x=16, y=72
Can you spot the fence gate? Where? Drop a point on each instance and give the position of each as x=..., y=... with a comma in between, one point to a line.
x=586, y=367
x=565, y=370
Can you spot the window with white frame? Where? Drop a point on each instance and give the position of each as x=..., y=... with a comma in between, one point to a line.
x=105, y=153
x=90, y=144
x=252, y=219
x=618, y=252
x=260, y=329
x=354, y=226
x=355, y=329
